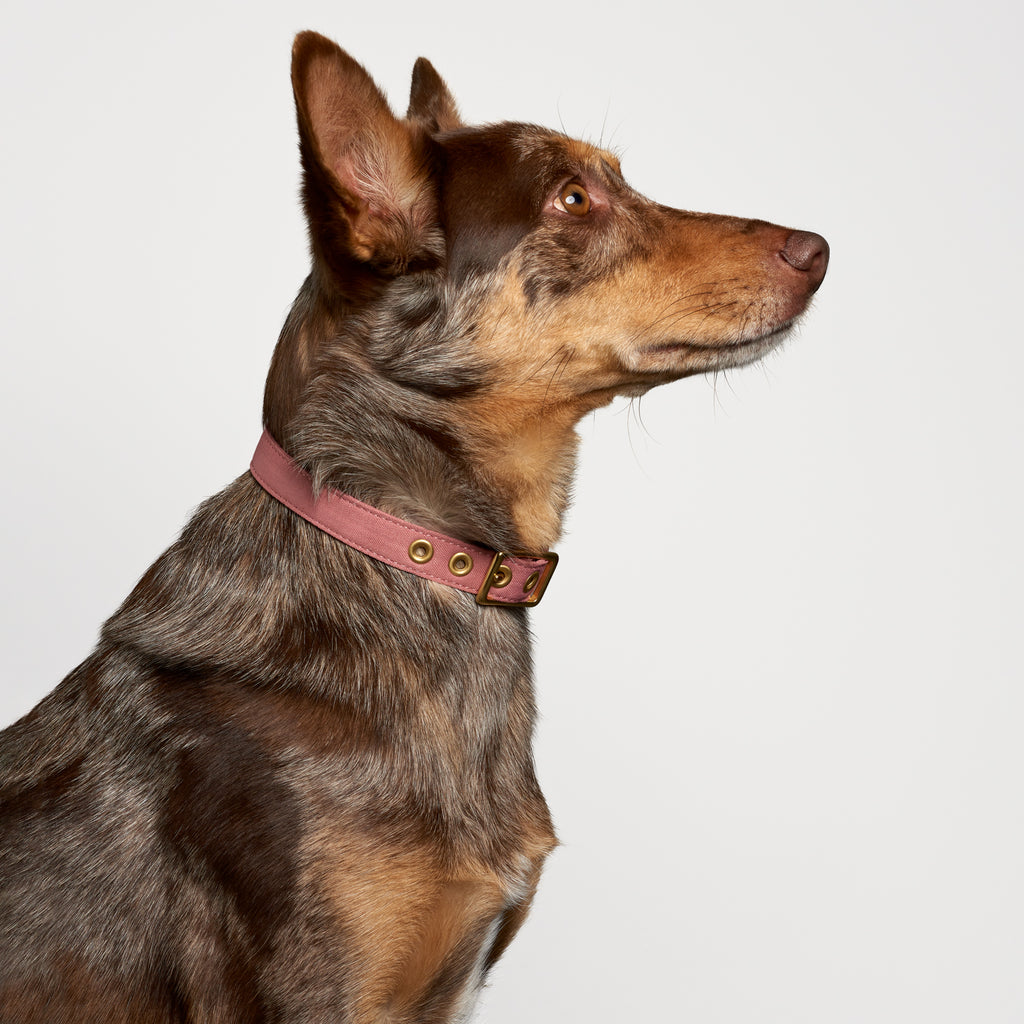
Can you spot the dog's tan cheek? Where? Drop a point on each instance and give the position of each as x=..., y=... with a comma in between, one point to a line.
x=551, y=353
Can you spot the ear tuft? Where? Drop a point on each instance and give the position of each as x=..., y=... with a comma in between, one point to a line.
x=368, y=192
x=430, y=102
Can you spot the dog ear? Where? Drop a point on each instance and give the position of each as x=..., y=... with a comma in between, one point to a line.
x=367, y=188
x=430, y=102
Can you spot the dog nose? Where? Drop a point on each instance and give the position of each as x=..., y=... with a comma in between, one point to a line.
x=806, y=251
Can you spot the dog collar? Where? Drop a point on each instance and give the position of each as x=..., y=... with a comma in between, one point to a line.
x=514, y=579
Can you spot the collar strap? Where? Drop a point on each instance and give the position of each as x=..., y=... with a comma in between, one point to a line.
x=515, y=579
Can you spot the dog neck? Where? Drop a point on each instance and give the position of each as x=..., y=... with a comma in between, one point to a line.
x=436, y=442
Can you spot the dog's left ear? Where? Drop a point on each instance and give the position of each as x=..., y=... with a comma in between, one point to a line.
x=430, y=102
x=368, y=190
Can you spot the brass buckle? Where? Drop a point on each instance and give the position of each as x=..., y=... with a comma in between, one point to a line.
x=483, y=594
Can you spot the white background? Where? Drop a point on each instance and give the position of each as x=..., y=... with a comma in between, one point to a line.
x=779, y=671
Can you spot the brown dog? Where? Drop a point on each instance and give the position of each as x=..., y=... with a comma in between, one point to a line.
x=294, y=782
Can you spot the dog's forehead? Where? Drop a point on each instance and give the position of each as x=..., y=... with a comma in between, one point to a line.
x=560, y=148
x=515, y=144
x=590, y=155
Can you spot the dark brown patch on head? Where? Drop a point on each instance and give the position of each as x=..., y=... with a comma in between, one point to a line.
x=500, y=183
x=491, y=196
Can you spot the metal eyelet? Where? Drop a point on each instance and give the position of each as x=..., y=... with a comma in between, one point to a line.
x=421, y=551
x=460, y=564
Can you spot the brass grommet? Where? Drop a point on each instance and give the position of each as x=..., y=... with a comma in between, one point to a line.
x=421, y=551
x=501, y=577
x=460, y=563
x=531, y=581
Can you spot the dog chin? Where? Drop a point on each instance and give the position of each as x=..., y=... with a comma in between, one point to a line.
x=755, y=348
x=682, y=358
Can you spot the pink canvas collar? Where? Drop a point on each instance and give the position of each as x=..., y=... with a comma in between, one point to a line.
x=506, y=578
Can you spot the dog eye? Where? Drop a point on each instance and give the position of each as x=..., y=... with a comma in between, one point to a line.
x=574, y=199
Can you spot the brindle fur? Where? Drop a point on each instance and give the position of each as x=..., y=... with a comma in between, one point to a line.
x=296, y=784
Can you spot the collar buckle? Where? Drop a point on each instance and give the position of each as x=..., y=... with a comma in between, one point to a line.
x=496, y=573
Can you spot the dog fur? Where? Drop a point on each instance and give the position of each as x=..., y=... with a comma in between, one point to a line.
x=293, y=783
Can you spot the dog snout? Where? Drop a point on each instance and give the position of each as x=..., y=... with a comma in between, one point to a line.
x=807, y=252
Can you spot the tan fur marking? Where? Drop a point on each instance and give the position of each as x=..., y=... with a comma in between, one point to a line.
x=402, y=912
x=585, y=153
x=379, y=897
x=460, y=908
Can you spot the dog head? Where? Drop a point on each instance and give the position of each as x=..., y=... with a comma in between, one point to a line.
x=558, y=253
x=507, y=271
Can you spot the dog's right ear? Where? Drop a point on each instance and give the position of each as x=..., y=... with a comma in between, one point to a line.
x=430, y=102
x=367, y=188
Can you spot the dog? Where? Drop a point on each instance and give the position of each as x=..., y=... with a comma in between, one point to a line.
x=294, y=781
